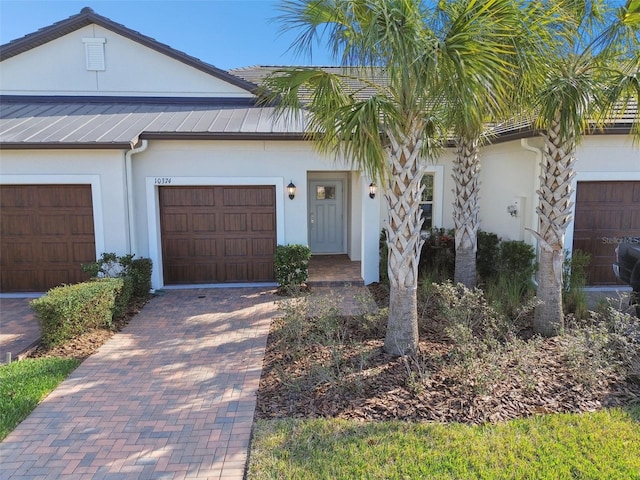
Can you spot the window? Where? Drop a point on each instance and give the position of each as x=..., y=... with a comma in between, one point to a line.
x=426, y=201
x=325, y=192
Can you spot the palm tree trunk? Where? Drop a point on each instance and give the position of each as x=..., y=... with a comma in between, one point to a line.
x=403, y=237
x=554, y=211
x=466, y=173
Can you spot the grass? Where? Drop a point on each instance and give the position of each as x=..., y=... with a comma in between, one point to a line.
x=24, y=384
x=600, y=445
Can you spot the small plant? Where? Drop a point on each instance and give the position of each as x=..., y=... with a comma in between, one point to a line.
x=488, y=255
x=437, y=259
x=110, y=265
x=291, y=265
x=574, y=278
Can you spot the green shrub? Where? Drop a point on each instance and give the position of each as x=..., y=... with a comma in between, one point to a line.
x=110, y=265
x=488, y=255
x=517, y=259
x=291, y=265
x=574, y=278
x=437, y=259
x=140, y=273
x=69, y=310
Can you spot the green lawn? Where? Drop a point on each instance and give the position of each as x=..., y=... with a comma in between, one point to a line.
x=601, y=445
x=26, y=383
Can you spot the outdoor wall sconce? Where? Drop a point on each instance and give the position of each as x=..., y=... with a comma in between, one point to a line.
x=512, y=210
x=291, y=190
x=372, y=190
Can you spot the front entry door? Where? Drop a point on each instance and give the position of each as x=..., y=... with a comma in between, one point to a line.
x=326, y=219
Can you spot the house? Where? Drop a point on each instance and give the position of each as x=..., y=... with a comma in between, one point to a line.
x=112, y=141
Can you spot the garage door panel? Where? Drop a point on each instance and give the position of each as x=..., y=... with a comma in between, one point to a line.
x=175, y=222
x=248, y=197
x=205, y=247
x=53, y=225
x=53, y=196
x=600, y=216
x=236, y=272
x=177, y=247
x=203, y=222
x=229, y=229
x=235, y=222
x=56, y=252
x=15, y=253
x=17, y=280
x=83, y=250
x=263, y=271
x=80, y=224
x=16, y=225
x=262, y=222
x=262, y=247
x=605, y=211
x=234, y=247
x=16, y=197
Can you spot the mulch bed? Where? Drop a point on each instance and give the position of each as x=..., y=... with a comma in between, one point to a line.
x=372, y=385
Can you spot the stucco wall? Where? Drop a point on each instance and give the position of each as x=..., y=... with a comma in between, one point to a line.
x=59, y=68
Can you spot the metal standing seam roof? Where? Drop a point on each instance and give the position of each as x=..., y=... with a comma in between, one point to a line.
x=74, y=123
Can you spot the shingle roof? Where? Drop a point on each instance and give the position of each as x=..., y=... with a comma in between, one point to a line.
x=88, y=17
x=119, y=122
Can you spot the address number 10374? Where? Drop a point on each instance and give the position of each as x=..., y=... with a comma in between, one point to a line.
x=162, y=180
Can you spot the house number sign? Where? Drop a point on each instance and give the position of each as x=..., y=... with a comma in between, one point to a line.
x=162, y=180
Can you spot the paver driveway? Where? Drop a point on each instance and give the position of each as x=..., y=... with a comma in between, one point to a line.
x=170, y=396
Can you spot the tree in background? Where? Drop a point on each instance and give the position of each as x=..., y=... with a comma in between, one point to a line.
x=588, y=81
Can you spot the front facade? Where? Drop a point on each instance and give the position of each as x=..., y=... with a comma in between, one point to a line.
x=113, y=142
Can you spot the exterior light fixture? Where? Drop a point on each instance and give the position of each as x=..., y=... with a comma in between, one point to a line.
x=373, y=189
x=291, y=190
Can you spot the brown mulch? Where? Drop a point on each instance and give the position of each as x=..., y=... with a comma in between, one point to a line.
x=370, y=385
x=86, y=344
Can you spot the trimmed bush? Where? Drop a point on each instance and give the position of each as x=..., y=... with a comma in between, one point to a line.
x=291, y=264
x=140, y=272
x=488, y=255
x=69, y=310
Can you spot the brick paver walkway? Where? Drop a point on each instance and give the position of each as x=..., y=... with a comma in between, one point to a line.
x=171, y=396
x=19, y=328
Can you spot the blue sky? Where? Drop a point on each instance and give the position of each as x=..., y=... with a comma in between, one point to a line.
x=224, y=33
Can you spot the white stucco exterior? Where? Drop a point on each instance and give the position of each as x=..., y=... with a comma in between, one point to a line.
x=125, y=182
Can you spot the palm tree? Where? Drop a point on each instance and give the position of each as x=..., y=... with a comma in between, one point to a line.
x=403, y=53
x=578, y=89
x=474, y=107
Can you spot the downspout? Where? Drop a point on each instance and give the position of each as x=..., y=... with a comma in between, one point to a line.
x=129, y=181
x=524, y=143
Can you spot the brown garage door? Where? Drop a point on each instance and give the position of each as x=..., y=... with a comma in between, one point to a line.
x=605, y=212
x=46, y=233
x=217, y=234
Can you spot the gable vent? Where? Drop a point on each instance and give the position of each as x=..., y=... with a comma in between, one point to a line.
x=94, y=53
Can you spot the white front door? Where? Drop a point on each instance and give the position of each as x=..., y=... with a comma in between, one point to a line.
x=326, y=216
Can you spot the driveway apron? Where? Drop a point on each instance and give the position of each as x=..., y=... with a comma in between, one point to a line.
x=170, y=396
